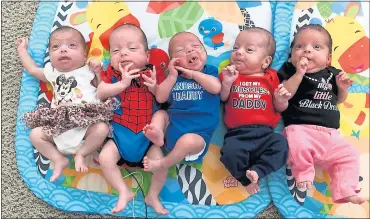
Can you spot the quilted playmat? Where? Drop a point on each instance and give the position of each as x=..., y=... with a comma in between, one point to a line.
x=203, y=189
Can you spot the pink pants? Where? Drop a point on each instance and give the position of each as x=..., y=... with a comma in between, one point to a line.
x=310, y=145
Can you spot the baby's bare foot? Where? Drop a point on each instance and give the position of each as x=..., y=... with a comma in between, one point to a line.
x=123, y=199
x=154, y=134
x=252, y=176
x=80, y=163
x=151, y=165
x=304, y=185
x=59, y=166
x=355, y=199
x=253, y=188
x=156, y=204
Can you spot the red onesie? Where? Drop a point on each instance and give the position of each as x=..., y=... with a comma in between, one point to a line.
x=251, y=101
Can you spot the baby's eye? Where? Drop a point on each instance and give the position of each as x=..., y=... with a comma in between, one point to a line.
x=317, y=46
x=249, y=50
x=298, y=46
x=133, y=48
x=235, y=48
x=196, y=46
x=115, y=50
x=55, y=47
x=179, y=50
x=72, y=45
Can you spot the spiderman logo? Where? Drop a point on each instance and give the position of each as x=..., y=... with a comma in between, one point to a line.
x=136, y=104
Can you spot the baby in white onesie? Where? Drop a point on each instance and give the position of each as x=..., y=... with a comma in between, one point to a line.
x=76, y=122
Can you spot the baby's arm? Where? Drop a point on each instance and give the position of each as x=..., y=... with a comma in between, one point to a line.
x=281, y=98
x=106, y=90
x=96, y=67
x=27, y=61
x=343, y=83
x=229, y=74
x=293, y=82
x=209, y=83
x=164, y=89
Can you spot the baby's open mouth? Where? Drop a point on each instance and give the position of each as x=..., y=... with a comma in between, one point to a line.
x=193, y=59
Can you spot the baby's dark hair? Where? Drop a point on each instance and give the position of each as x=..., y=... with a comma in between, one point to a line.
x=68, y=28
x=133, y=26
x=315, y=27
x=271, y=44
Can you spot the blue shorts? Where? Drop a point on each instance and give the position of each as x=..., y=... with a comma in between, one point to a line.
x=132, y=147
x=172, y=136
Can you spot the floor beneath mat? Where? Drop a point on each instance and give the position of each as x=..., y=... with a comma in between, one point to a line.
x=17, y=19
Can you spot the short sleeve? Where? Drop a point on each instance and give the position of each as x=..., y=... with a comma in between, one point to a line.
x=49, y=72
x=274, y=80
x=211, y=70
x=335, y=72
x=286, y=71
x=106, y=76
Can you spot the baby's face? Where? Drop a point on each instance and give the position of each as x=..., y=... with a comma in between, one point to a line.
x=313, y=45
x=250, y=53
x=126, y=47
x=67, y=50
x=189, y=50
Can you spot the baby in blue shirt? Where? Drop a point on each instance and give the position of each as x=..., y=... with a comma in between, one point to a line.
x=192, y=91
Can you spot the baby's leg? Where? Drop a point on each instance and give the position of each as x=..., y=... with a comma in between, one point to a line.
x=108, y=159
x=155, y=130
x=45, y=146
x=158, y=180
x=301, y=145
x=343, y=165
x=274, y=149
x=236, y=154
x=187, y=144
x=94, y=139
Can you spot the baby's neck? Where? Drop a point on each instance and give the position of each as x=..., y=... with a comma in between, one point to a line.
x=253, y=74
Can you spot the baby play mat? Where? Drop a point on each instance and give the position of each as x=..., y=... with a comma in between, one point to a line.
x=204, y=189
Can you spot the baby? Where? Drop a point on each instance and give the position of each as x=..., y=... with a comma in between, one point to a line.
x=192, y=91
x=312, y=118
x=131, y=79
x=254, y=98
x=76, y=123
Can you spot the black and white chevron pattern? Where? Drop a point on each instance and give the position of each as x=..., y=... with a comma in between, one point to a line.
x=60, y=19
x=248, y=23
x=193, y=185
x=303, y=19
x=298, y=194
x=42, y=162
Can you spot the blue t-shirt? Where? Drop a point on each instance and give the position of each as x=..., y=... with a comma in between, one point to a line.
x=192, y=109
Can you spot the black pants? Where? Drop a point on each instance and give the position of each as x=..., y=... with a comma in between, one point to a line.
x=253, y=147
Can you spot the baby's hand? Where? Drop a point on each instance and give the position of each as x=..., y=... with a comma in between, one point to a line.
x=186, y=73
x=94, y=65
x=302, y=66
x=171, y=67
x=343, y=81
x=22, y=44
x=127, y=76
x=151, y=82
x=281, y=94
x=230, y=74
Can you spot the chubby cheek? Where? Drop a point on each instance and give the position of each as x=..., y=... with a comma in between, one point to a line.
x=114, y=62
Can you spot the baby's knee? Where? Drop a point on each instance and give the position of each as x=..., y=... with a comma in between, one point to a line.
x=100, y=128
x=37, y=134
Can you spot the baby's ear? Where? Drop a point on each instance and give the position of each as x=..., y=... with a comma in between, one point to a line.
x=267, y=62
x=147, y=56
x=329, y=60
